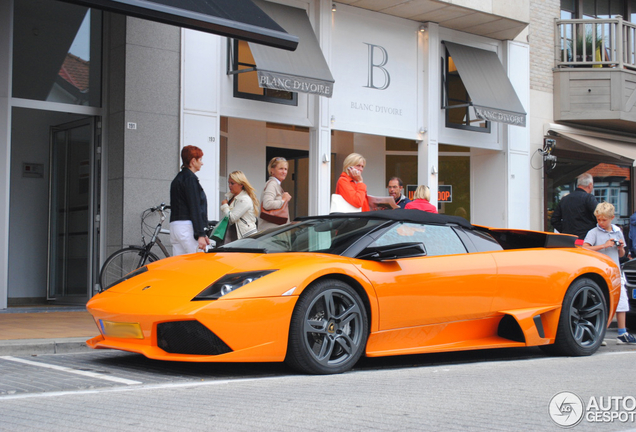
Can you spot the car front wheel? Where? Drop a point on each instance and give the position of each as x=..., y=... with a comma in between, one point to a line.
x=583, y=320
x=329, y=329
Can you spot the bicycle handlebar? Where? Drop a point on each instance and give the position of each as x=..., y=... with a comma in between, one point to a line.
x=161, y=207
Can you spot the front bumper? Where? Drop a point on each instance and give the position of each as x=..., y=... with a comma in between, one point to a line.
x=254, y=330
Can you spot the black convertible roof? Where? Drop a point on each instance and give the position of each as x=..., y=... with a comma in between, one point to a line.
x=416, y=216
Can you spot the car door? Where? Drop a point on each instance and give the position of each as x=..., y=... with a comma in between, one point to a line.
x=446, y=284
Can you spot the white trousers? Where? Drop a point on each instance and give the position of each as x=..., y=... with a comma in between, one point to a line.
x=182, y=238
x=623, y=301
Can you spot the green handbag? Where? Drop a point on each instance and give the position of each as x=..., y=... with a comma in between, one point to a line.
x=220, y=229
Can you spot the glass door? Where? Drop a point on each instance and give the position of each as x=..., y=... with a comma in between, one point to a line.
x=72, y=212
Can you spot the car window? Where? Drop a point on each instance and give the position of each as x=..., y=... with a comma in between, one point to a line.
x=483, y=241
x=328, y=235
x=437, y=239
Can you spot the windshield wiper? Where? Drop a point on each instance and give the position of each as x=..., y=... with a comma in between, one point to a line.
x=238, y=249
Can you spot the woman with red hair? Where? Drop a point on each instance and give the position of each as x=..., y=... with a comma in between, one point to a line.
x=188, y=206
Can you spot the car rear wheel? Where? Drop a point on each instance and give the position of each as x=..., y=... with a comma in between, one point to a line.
x=329, y=329
x=583, y=320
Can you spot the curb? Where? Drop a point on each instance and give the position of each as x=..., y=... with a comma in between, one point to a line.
x=33, y=347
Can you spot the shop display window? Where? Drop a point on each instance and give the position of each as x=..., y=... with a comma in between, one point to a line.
x=246, y=83
x=456, y=101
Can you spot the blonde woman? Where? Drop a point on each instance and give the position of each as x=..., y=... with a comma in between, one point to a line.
x=421, y=200
x=273, y=196
x=241, y=206
x=350, y=184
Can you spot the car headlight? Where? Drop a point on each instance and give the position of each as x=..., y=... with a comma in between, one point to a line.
x=229, y=283
x=132, y=274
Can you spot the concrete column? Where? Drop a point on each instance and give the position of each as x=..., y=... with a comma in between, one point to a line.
x=320, y=134
x=143, y=146
x=6, y=42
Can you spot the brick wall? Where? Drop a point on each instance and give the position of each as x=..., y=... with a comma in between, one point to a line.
x=541, y=35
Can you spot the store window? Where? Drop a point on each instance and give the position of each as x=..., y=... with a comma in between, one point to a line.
x=460, y=114
x=571, y=9
x=246, y=83
x=401, y=161
x=57, y=53
x=568, y=9
x=454, y=173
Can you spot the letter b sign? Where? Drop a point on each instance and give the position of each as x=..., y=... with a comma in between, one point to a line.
x=375, y=52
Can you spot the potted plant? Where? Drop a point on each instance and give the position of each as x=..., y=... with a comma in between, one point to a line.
x=587, y=44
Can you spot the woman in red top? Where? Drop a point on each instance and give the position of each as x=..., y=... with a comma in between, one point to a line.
x=421, y=199
x=350, y=184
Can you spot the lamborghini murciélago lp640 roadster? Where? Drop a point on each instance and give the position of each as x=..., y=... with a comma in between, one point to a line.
x=326, y=290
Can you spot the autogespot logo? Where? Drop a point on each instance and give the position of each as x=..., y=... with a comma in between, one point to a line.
x=566, y=409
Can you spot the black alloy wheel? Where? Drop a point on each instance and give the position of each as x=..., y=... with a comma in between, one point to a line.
x=583, y=320
x=329, y=329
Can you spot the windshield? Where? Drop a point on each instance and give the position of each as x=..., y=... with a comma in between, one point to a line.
x=327, y=235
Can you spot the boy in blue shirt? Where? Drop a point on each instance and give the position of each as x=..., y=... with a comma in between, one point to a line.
x=608, y=239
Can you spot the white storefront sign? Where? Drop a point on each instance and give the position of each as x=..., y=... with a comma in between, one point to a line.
x=374, y=63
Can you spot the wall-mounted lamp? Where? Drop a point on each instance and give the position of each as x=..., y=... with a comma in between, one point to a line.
x=333, y=7
x=333, y=119
x=423, y=130
x=434, y=170
x=422, y=28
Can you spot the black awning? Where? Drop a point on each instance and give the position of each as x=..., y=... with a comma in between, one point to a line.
x=240, y=19
x=491, y=93
x=304, y=70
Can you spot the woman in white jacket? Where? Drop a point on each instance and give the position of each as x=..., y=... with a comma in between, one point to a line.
x=241, y=206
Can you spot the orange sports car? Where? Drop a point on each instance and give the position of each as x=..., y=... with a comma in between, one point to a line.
x=326, y=290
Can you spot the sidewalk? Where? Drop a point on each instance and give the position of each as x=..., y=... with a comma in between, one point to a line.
x=33, y=331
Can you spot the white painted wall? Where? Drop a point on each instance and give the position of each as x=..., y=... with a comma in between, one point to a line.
x=488, y=204
x=200, y=101
x=371, y=108
x=517, y=138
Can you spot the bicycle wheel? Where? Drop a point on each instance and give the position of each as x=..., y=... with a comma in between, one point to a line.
x=123, y=262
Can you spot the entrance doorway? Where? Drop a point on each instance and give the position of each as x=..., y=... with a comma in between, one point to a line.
x=73, y=205
x=54, y=182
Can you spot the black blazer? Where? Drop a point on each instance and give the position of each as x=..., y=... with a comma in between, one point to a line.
x=188, y=201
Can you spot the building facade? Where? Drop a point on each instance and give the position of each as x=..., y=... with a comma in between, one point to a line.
x=582, y=95
x=95, y=107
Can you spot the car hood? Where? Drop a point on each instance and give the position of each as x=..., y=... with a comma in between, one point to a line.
x=186, y=276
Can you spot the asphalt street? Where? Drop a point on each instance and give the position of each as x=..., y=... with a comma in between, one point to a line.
x=465, y=391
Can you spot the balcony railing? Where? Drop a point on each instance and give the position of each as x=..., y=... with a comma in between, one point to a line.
x=595, y=43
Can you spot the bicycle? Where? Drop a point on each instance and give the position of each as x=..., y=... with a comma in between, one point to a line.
x=131, y=258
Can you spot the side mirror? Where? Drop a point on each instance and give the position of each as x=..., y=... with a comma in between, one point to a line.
x=393, y=251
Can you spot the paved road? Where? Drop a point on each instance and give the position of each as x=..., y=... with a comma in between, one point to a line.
x=470, y=391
